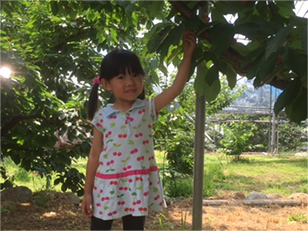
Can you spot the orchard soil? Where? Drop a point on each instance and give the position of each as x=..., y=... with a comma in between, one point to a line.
x=55, y=214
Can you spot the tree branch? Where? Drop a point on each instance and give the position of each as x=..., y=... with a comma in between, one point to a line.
x=15, y=120
x=183, y=9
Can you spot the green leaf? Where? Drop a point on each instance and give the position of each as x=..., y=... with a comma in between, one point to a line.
x=217, y=16
x=231, y=77
x=157, y=35
x=91, y=15
x=222, y=34
x=288, y=96
x=173, y=38
x=264, y=69
x=298, y=109
x=277, y=41
x=297, y=62
x=156, y=8
x=286, y=8
x=199, y=83
x=211, y=91
x=211, y=75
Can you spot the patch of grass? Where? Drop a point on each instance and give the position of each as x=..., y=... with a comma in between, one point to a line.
x=175, y=187
x=80, y=164
x=283, y=174
x=30, y=179
x=267, y=174
x=213, y=173
x=298, y=218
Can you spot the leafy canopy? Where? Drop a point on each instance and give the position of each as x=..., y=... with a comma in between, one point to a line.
x=54, y=49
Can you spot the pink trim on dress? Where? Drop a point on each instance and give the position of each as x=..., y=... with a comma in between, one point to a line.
x=126, y=174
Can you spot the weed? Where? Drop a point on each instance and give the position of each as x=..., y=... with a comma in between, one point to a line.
x=23, y=175
x=183, y=220
x=42, y=199
x=69, y=227
x=298, y=218
x=164, y=222
x=177, y=184
x=7, y=208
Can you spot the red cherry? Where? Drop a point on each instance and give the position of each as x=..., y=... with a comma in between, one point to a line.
x=205, y=17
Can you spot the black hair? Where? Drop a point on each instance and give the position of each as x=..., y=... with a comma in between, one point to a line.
x=115, y=63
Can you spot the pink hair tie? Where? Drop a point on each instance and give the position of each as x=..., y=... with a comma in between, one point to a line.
x=96, y=81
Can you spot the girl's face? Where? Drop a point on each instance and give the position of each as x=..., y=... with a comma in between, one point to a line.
x=125, y=87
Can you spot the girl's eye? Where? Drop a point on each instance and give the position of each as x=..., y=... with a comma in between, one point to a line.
x=136, y=75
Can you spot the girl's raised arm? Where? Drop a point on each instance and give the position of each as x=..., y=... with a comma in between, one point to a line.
x=168, y=95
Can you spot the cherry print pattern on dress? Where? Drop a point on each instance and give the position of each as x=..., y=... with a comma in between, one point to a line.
x=134, y=172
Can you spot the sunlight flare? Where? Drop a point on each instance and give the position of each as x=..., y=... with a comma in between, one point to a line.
x=5, y=72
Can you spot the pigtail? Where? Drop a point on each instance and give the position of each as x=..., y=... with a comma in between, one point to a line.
x=93, y=101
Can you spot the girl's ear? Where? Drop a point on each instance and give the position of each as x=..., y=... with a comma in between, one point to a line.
x=106, y=84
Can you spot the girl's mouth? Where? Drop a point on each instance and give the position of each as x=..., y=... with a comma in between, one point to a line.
x=131, y=91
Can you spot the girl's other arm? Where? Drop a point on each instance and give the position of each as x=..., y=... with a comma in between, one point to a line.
x=168, y=95
x=93, y=161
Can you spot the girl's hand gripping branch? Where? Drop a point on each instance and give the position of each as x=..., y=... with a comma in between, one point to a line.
x=167, y=96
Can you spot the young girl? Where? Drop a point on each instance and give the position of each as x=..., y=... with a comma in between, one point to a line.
x=122, y=178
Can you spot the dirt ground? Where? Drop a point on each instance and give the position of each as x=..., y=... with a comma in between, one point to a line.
x=59, y=215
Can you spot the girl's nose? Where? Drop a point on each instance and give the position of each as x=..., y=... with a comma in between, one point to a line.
x=130, y=80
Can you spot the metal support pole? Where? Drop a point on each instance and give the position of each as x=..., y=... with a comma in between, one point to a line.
x=199, y=153
x=273, y=139
x=198, y=164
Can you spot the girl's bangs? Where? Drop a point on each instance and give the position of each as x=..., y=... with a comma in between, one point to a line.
x=121, y=63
